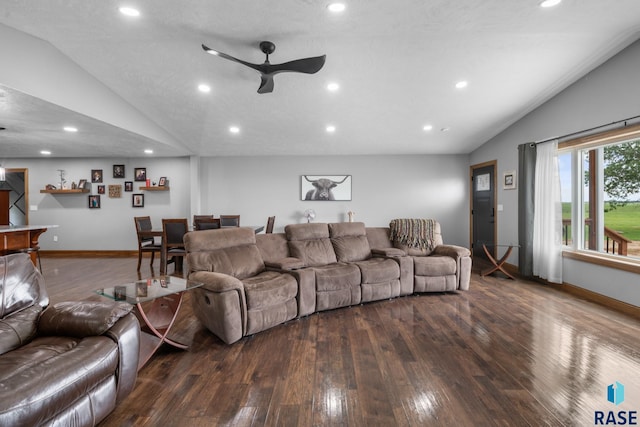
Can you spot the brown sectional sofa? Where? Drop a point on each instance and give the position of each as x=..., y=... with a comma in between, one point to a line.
x=66, y=364
x=254, y=282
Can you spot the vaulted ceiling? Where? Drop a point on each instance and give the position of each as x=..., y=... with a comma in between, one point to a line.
x=131, y=83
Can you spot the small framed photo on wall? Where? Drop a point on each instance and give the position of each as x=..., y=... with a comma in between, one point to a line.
x=96, y=175
x=94, y=202
x=137, y=200
x=118, y=171
x=140, y=174
x=128, y=186
x=100, y=189
x=509, y=180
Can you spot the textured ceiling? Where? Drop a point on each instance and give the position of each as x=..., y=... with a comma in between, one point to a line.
x=396, y=63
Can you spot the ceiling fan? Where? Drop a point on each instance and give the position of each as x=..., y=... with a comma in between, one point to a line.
x=268, y=70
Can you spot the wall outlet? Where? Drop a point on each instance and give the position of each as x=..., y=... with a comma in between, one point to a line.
x=33, y=207
x=55, y=238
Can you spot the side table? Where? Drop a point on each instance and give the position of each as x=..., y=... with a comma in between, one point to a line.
x=164, y=295
x=497, y=264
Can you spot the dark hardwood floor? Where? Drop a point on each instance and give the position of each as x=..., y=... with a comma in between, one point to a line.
x=504, y=353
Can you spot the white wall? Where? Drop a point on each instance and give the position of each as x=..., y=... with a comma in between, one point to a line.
x=111, y=227
x=607, y=94
x=383, y=188
x=254, y=187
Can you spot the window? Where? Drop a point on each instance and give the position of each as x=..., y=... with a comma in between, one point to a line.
x=600, y=180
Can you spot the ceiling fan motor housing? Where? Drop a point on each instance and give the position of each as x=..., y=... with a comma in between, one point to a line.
x=267, y=47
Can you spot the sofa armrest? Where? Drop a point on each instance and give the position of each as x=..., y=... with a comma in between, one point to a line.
x=388, y=252
x=285, y=264
x=81, y=318
x=217, y=282
x=126, y=333
x=452, y=251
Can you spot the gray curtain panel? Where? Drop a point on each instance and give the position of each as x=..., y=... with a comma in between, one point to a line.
x=526, y=185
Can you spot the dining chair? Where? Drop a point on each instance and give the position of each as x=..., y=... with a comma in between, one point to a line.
x=146, y=241
x=230, y=220
x=197, y=218
x=173, y=231
x=270, y=223
x=206, y=224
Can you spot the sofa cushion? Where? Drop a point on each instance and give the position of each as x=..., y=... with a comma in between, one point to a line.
x=18, y=328
x=378, y=237
x=231, y=251
x=51, y=373
x=378, y=270
x=434, y=266
x=238, y=261
x=309, y=231
x=273, y=246
x=288, y=263
x=337, y=276
x=208, y=240
x=21, y=285
x=313, y=253
x=81, y=318
x=269, y=288
x=349, y=241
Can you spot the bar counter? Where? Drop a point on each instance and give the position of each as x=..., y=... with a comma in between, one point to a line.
x=14, y=238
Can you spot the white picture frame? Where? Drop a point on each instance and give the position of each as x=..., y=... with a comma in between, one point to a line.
x=509, y=181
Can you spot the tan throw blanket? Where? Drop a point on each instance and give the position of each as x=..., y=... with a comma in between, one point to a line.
x=415, y=233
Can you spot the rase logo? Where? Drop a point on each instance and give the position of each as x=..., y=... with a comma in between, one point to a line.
x=615, y=395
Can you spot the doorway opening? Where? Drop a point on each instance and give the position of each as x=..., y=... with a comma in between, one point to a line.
x=17, y=180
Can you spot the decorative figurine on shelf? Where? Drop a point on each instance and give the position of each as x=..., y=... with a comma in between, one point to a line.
x=310, y=214
x=73, y=185
x=63, y=181
x=351, y=215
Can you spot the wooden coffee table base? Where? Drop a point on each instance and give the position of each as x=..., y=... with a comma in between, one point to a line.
x=155, y=323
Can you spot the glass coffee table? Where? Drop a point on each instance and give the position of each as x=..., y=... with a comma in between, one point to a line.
x=164, y=297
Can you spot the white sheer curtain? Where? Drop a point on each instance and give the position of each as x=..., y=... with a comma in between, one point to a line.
x=547, y=217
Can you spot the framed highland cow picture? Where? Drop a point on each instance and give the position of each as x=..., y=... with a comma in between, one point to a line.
x=325, y=187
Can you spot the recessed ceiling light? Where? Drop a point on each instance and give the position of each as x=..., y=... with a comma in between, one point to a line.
x=427, y=128
x=331, y=128
x=234, y=129
x=336, y=7
x=129, y=11
x=45, y=152
x=550, y=3
x=204, y=88
x=148, y=151
x=462, y=84
x=70, y=129
x=333, y=87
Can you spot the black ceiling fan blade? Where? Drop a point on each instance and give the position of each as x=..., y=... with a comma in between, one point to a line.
x=306, y=65
x=266, y=83
x=256, y=67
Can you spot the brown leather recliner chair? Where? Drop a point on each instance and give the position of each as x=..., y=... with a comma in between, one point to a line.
x=68, y=364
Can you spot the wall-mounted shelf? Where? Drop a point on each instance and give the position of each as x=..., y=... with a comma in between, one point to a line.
x=157, y=188
x=69, y=191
